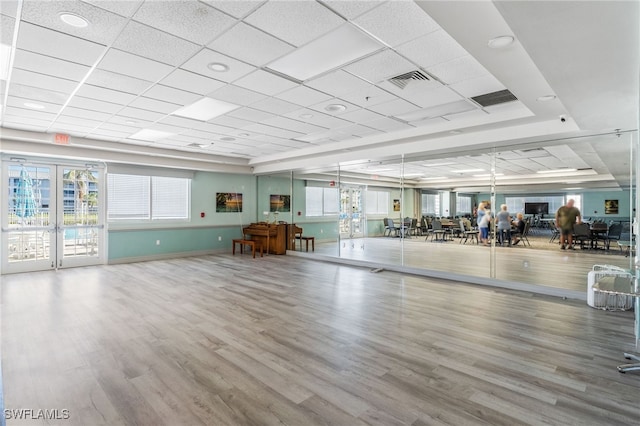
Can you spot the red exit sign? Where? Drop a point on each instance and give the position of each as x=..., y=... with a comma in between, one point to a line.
x=61, y=139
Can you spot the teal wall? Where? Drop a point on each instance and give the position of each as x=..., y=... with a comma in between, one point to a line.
x=593, y=205
x=212, y=232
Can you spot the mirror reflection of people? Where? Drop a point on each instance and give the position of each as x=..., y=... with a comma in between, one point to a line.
x=566, y=217
x=484, y=217
x=518, y=224
x=503, y=224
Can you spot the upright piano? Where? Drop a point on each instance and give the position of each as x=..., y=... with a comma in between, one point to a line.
x=271, y=236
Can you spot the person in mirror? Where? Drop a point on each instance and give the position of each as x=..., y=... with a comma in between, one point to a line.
x=503, y=225
x=484, y=217
x=518, y=226
x=566, y=217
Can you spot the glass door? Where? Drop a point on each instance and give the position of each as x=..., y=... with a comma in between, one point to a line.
x=351, y=212
x=52, y=217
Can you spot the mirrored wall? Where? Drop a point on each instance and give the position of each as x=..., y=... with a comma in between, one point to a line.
x=424, y=211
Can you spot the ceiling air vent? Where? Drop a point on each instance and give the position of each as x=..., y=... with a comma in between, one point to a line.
x=494, y=98
x=403, y=79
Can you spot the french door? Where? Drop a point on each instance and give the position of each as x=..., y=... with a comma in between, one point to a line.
x=52, y=216
x=351, y=212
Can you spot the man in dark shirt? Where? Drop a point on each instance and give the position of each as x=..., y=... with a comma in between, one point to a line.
x=566, y=217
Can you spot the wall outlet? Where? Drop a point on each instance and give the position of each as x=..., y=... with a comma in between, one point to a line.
x=157, y=242
x=219, y=238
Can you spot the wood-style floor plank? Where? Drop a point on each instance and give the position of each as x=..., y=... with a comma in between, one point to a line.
x=232, y=340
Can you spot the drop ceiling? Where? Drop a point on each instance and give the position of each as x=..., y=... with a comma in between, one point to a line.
x=285, y=85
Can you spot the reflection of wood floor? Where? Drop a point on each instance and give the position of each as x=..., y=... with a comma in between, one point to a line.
x=232, y=340
x=543, y=264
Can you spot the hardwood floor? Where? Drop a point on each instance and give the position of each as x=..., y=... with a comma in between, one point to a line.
x=543, y=264
x=232, y=340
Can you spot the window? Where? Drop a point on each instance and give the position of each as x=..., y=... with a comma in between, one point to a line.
x=463, y=205
x=430, y=204
x=321, y=201
x=377, y=202
x=136, y=197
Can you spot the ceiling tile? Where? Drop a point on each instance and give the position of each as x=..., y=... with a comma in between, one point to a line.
x=338, y=83
x=30, y=113
x=199, y=62
x=107, y=95
x=352, y=9
x=13, y=101
x=477, y=86
x=265, y=82
x=432, y=49
x=250, y=114
x=382, y=22
x=296, y=25
x=62, y=46
x=154, y=105
x=317, y=118
x=361, y=116
x=113, y=134
x=85, y=113
x=325, y=107
x=38, y=94
x=191, y=82
x=236, y=95
x=169, y=94
x=119, y=127
x=6, y=29
x=268, y=130
x=367, y=97
x=293, y=125
x=70, y=129
x=235, y=8
x=42, y=81
x=154, y=44
x=380, y=66
x=185, y=123
x=250, y=45
x=125, y=63
x=122, y=83
x=122, y=8
x=20, y=123
x=94, y=104
x=458, y=70
x=50, y=66
x=232, y=122
x=193, y=21
x=430, y=98
x=103, y=26
x=303, y=96
x=275, y=106
x=357, y=130
x=137, y=113
x=388, y=125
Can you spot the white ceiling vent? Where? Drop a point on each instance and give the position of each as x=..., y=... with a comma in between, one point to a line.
x=403, y=79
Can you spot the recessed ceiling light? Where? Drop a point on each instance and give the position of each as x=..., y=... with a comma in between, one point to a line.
x=150, y=135
x=205, y=109
x=335, y=108
x=546, y=98
x=33, y=105
x=501, y=41
x=131, y=122
x=227, y=139
x=306, y=116
x=218, y=67
x=73, y=20
x=243, y=135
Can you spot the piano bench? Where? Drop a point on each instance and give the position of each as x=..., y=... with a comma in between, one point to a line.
x=306, y=240
x=243, y=243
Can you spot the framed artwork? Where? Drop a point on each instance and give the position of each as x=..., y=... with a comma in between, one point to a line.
x=396, y=205
x=279, y=203
x=227, y=202
x=610, y=206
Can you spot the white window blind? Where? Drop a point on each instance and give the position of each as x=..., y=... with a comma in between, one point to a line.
x=137, y=197
x=170, y=198
x=321, y=201
x=377, y=202
x=128, y=197
x=463, y=205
